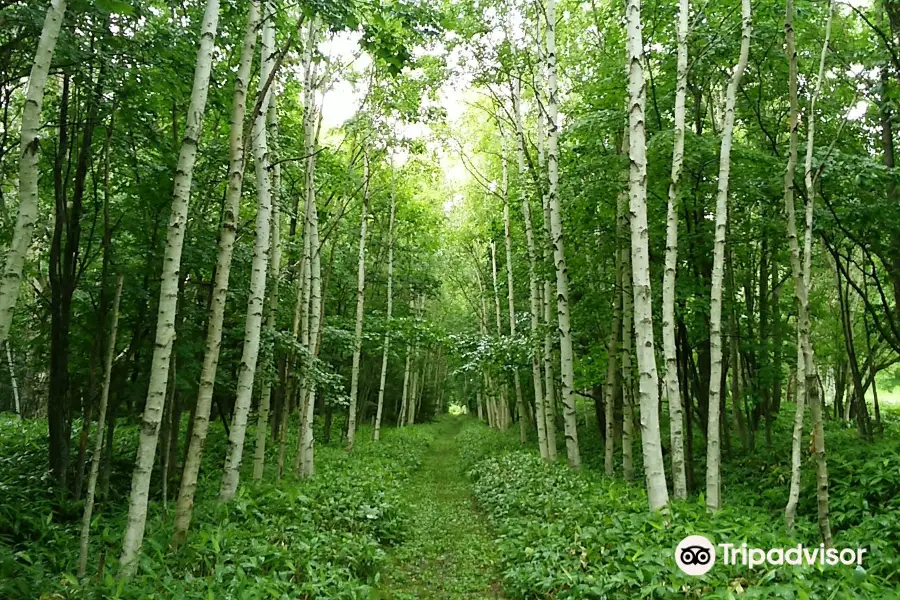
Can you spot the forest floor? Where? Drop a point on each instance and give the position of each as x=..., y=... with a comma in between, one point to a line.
x=449, y=552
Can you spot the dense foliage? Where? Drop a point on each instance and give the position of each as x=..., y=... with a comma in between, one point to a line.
x=325, y=537
x=584, y=535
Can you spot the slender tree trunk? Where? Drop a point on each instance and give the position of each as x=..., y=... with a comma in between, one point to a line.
x=651, y=443
x=713, y=452
x=101, y=429
x=387, y=334
x=544, y=290
x=567, y=367
x=401, y=416
x=533, y=283
x=812, y=378
x=735, y=359
x=807, y=384
x=12, y=379
x=200, y=426
x=305, y=455
x=612, y=351
x=307, y=458
x=165, y=331
x=510, y=284
x=360, y=306
x=258, y=272
x=262, y=420
x=627, y=370
x=28, y=166
x=504, y=389
x=676, y=418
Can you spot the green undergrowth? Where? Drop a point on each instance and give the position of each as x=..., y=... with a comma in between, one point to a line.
x=323, y=537
x=565, y=534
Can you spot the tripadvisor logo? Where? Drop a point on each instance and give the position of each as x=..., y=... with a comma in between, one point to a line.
x=696, y=555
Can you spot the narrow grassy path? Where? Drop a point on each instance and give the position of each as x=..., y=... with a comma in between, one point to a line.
x=449, y=552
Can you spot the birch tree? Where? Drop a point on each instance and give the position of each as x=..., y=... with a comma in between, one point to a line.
x=262, y=419
x=28, y=166
x=504, y=387
x=305, y=465
x=651, y=444
x=258, y=271
x=168, y=296
x=713, y=476
x=673, y=391
x=533, y=281
x=800, y=265
x=200, y=424
x=567, y=367
x=101, y=430
x=387, y=332
x=360, y=305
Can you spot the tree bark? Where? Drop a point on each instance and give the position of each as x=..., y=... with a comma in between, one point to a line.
x=101, y=429
x=360, y=307
x=258, y=271
x=713, y=452
x=387, y=333
x=28, y=166
x=567, y=367
x=165, y=331
x=262, y=420
x=673, y=393
x=200, y=426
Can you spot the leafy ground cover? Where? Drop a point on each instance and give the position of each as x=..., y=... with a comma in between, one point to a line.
x=564, y=534
x=318, y=538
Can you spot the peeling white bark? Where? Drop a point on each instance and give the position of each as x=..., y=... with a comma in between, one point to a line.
x=567, y=367
x=713, y=451
x=185, y=502
x=258, y=272
x=360, y=304
x=673, y=391
x=168, y=297
x=28, y=166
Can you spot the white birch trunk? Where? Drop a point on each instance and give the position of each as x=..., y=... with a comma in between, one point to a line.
x=546, y=294
x=651, y=444
x=258, y=272
x=307, y=441
x=28, y=166
x=185, y=502
x=627, y=369
x=101, y=430
x=807, y=381
x=815, y=403
x=168, y=297
x=673, y=391
x=796, y=258
x=265, y=405
x=713, y=450
x=12, y=380
x=401, y=416
x=304, y=464
x=360, y=305
x=567, y=367
x=504, y=388
x=387, y=334
x=510, y=285
x=534, y=294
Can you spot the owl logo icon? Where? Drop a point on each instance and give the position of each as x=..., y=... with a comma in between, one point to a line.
x=695, y=555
